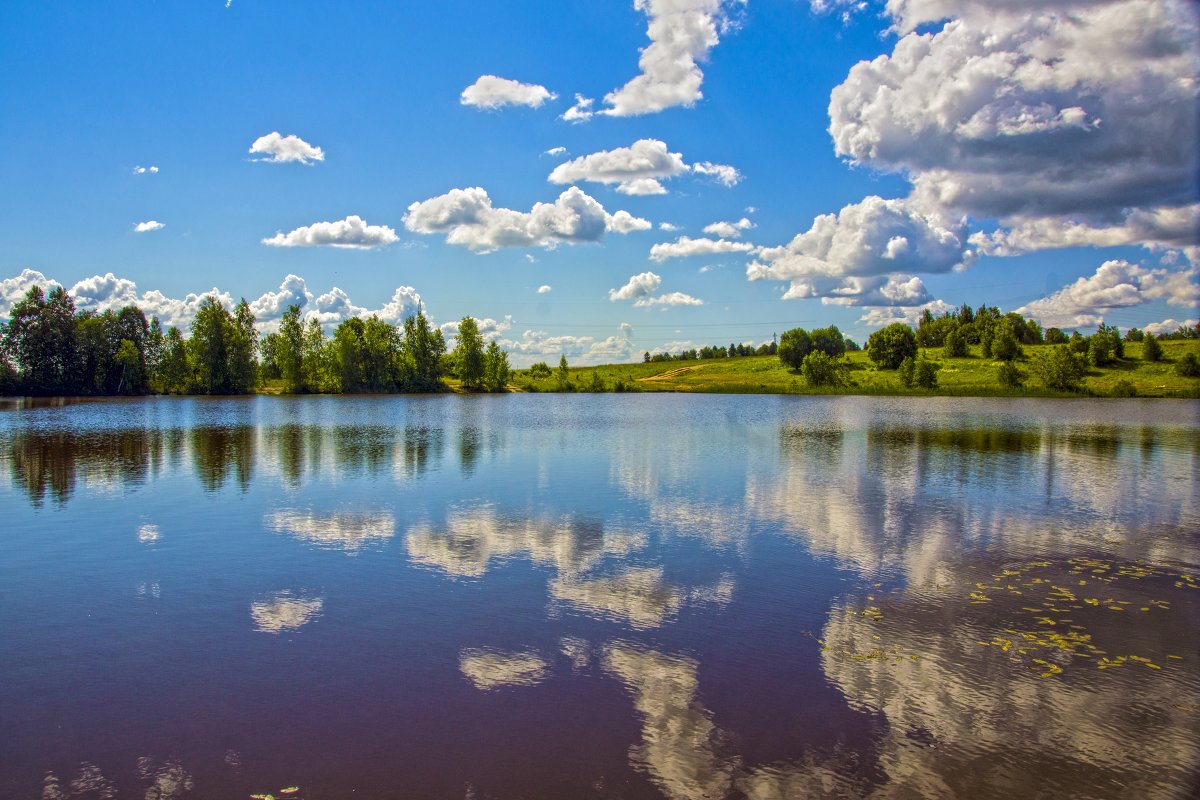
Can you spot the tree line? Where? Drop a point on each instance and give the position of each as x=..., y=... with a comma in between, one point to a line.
x=47, y=347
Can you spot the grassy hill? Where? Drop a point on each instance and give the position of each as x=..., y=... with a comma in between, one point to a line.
x=971, y=376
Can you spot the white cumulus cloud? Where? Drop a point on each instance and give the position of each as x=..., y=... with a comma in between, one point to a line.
x=728, y=230
x=637, y=286
x=1169, y=326
x=468, y=218
x=638, y=169
x=669, y=299
x=490, y=91
x=1116, y=285
x=148, y=226
x=544, y=289
x=581, y=111
x=723, y=173
x=681, y=33
x=351, y=233
x=278, y=149
x=1068, y=121
x=686, y=246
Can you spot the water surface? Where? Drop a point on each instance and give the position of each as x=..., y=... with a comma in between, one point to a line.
x=600, y=596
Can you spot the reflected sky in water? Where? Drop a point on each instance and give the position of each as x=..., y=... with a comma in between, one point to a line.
x=600, y=596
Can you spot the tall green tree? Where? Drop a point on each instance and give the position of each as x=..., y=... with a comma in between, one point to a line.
x=889, y=346
x=495, y=368
x=208, y=347
x=794, y=345
x=174, y=374
x=423, y=349
x=290, y=350
x=468, y=354
x=243, y=350
x=40, y=341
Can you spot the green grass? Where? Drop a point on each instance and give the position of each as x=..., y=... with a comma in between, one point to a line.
x=974, y=376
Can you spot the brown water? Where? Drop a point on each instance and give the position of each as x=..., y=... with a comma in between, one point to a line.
x=600, y=597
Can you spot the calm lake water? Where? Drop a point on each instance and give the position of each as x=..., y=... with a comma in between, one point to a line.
x=604, y=596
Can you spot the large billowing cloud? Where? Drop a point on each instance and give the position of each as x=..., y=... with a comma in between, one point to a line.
x=468, y=218
x=866, y=250
x=278, y=149
x=638, y=169
x=351, y=233
x=491, y=92
x=1036, y=113
x=1116, y=285
x=681, y=34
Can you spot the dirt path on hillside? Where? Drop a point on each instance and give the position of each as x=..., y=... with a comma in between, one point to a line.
x=673, y=373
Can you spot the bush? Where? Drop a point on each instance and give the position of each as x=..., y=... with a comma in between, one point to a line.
x=1079, y=344
x=1151, y=349
x=1005, y=347
x=925, y=376
x=820, y=369
x=828, y=340
x=540, y=370
x=1061, y=369
x=1055, y=336
x=1188, y=366
x=1124, y=388
x=1009, y=376
x=956, y=345
x=889, y=346
x=794, y=345
x=597, y=383
x=907, y=372
x=1099, y=350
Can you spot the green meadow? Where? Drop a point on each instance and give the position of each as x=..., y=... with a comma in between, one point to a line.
x=973, y=376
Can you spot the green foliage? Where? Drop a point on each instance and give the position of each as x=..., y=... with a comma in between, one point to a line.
x=1061, y=368
x=1079, y=344
x=955, y=344
x=852, y=346
x=1188, y=366
x=828, y=341
x=794, y=345
x=221, y=350
x=173, y=372
x=907, y=371
x=424, y=348
x=1151, y=350
x=317, y=359
x=40, y=342
x=1055, y=336
x=889, y=346
x=1004, y=345
x=1134, y=335
x=1124, y=388
x=1009, y=375
x=1115, y=343
x=563, y=377
x=289, y=353
x=925, y=375
x=541, y=369
x=495, y=368
x=822, y=369
x=468, y=354
x=932, y=332
x=1100, y=353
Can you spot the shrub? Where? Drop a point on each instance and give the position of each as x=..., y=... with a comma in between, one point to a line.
x=1060, y=368
x=1151, y=349
x=1009, y=375
x=1055, y=336
x=597, y=383
x=1124, y=388
x=956, y=345
x=1188, y=366
x=889, y=346
x=1004, y=346
x=925, y=376
x=539, y=370
x=821, y=369
x=1100, y=351
x=907, y=372
x=1134, y=335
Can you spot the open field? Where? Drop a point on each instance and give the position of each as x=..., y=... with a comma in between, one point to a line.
x=971, y=376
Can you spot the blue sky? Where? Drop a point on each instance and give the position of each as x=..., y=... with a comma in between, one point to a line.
x=1010, y=154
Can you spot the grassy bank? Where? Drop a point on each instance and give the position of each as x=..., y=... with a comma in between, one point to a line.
x=970, y=376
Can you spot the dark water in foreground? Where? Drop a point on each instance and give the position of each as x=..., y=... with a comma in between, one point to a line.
x=600, y=596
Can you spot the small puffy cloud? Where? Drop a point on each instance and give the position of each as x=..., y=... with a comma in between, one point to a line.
x=870, y=239
x=490, y=91
x=468, y=218
x=145, y=170
x=148, y=226
x=635, y=169
x=1169, y=326
x=544, y=289
x=668, y=227
x=681, y=33
x=1116, y=284
x=278, y=149
x=723, y=173
x=686, y=246
x=626, y=330
x=638, y=169
x=624, y=222
x=728, y=230
x=669, y=299
x=637, y=286
x=555, y=152
x=581, y=111
x=351, y=233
